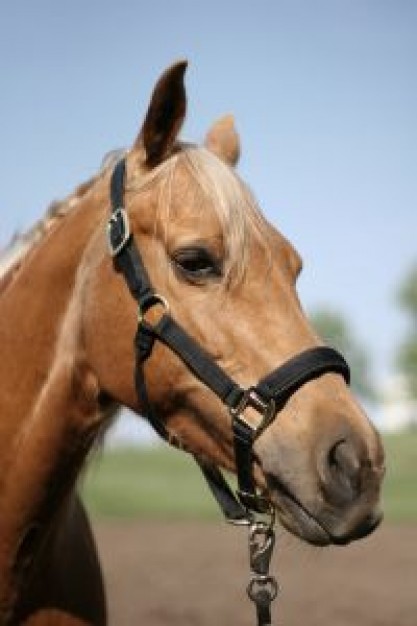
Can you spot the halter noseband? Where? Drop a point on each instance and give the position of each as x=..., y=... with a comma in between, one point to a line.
x=267, y=397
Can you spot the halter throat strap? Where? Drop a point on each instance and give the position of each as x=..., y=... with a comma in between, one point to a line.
x=266, y=398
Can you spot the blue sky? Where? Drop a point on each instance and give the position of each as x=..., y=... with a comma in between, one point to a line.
x=324, y=94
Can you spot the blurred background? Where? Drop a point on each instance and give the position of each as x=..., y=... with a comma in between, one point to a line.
x=324, y=95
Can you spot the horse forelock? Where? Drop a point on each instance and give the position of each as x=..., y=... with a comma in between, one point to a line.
x=222, y=191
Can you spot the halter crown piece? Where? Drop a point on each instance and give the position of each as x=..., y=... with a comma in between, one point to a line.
x=267, y=397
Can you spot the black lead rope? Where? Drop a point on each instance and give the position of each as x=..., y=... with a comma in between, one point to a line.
x=266, y=398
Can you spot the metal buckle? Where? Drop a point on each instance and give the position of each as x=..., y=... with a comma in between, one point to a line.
x=251, y=399
x=118, y=231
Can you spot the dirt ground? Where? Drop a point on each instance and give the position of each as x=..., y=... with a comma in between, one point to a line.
x=162, y=574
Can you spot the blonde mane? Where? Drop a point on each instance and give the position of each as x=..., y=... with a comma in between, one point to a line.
x=14, y=254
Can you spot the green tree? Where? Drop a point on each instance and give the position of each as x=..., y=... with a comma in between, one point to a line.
x=407, y=352
x=335, y=331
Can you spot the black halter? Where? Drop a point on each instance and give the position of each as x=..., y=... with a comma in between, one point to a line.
x=267, y=397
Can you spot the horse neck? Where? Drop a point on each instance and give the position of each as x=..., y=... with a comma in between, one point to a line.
x=32, y=307
x=40, y=413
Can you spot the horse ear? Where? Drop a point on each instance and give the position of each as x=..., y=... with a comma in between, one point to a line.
x=165, y=115
x=223, y=140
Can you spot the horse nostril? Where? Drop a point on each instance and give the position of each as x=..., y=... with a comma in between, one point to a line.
x=343, y=476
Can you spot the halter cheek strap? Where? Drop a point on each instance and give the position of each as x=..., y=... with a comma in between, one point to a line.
x=266, y=398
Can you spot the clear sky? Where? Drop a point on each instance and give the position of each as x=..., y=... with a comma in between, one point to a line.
x=324, y=94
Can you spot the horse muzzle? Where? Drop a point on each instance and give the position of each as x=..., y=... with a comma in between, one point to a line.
x=332, y=499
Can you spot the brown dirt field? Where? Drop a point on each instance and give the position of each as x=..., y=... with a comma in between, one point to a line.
x=196, y=574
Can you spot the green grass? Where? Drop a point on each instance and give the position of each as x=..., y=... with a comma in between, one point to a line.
x=157, y=482
x=400, y=484
x=163, y=483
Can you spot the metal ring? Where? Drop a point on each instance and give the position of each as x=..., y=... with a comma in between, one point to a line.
x=156, y=298
x=266, y=584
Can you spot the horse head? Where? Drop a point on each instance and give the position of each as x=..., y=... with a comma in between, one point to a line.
x=228, y=278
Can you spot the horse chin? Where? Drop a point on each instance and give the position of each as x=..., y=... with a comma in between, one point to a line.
x=298, y=521
x=296, y=518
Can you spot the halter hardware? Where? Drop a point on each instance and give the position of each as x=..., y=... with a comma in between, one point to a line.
x=252, y=399
x=262, y=588
x=118, y=231
x=152, y=301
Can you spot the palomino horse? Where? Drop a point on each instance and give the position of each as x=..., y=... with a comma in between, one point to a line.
x=67, y=326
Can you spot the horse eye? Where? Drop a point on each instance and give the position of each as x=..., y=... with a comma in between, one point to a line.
x=196, y=263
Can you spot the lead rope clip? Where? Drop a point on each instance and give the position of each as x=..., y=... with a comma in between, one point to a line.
x=263, y=587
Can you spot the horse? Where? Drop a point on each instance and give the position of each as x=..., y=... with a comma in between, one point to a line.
x=225, y=280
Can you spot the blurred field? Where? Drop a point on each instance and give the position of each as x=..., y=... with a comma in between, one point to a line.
x=188, y=573
x=167, y=564
x=153, y=482
x=162, y=483
x=400, y=485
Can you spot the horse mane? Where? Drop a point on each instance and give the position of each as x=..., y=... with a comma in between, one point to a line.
x=14, y=254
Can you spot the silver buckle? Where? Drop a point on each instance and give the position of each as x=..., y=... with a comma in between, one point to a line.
x=251, y=399
x=118, y=231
